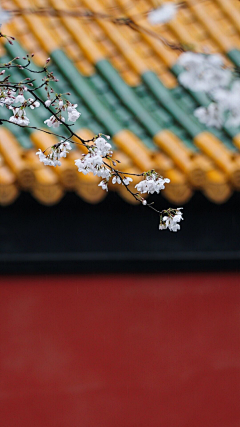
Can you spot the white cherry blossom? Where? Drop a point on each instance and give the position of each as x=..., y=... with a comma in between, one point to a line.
x=73, y=114
x=165, y=13
x=211, y=116
x=103, y=147
x=104, y=185
x=116, y=179
x=57, y=151
x=127, y=180
x=20, y=98
x=152, y=184
x=203, y=72
x=50, y=160
x=7, y=97
x=19, y=116
x=54, y=122
x=64, y=148
x=171, y=221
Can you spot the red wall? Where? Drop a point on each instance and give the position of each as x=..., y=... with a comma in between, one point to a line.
x=120, y=351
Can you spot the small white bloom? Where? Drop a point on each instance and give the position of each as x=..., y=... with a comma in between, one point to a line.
x=48, y=102
x=73, y=114
x=165, y=13
x=51, y=160
x=171, y=221
x=103, y=184
x=116, y=179
x=203, y=72
x=54, y=122
x=20, y=98
x=152, y=184
x=19, y=116
x=103, y=147
x=213, y=115
x=64, y=148
x=33, y=104
x=127, y=180
x=162, y=226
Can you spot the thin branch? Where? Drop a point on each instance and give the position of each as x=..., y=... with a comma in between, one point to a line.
x=91, y=15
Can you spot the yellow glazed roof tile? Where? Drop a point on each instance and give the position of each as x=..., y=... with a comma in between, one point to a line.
x=210, y=25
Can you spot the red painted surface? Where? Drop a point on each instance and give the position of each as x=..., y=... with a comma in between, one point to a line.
x=120, y=351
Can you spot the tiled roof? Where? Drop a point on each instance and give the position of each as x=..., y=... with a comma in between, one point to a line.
x=125, y=83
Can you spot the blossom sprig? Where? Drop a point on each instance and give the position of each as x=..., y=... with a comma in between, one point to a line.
x=57, y=151
x=19, y=96
x=208, y=74
x=93, y=161
x=61, y=105
x=171, y=219
x=152, y=183
x=202, y=72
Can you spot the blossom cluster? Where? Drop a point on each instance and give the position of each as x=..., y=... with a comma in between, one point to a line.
x=9, y=98
x=171, y=220
x=206, y=73
x=93, y=161
x=57, y=151
x=203, y=72
x=61, y=106
x=13, y=98
x=152, y=183
x=163, y=14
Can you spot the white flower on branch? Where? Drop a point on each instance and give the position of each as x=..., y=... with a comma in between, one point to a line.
x=171, y=220
x=104, y=185
x=93, y=161
x=203, y=72
x=126, y=181
x=33, y=104
x=116, y=179
x=50, y=160
x=165, y=13
x=7, y=98
x=64, y=148
x=54, y=122
x=152, y=183
x=57, y=151
x=211, y=116
x=48, y=102
x=73, y=114
x=20, y=98
x=103, y=147
x=228, y=100
x=19, y=116
x=225, y=109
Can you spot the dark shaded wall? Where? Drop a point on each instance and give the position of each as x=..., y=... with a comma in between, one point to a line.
x=115, y=236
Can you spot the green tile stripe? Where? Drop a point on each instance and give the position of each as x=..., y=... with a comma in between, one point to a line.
x=234, y=56
x=83, y=90
x=164, y=97
x=127, y=96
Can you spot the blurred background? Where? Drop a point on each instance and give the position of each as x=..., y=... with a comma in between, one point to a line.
x=105, y=320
